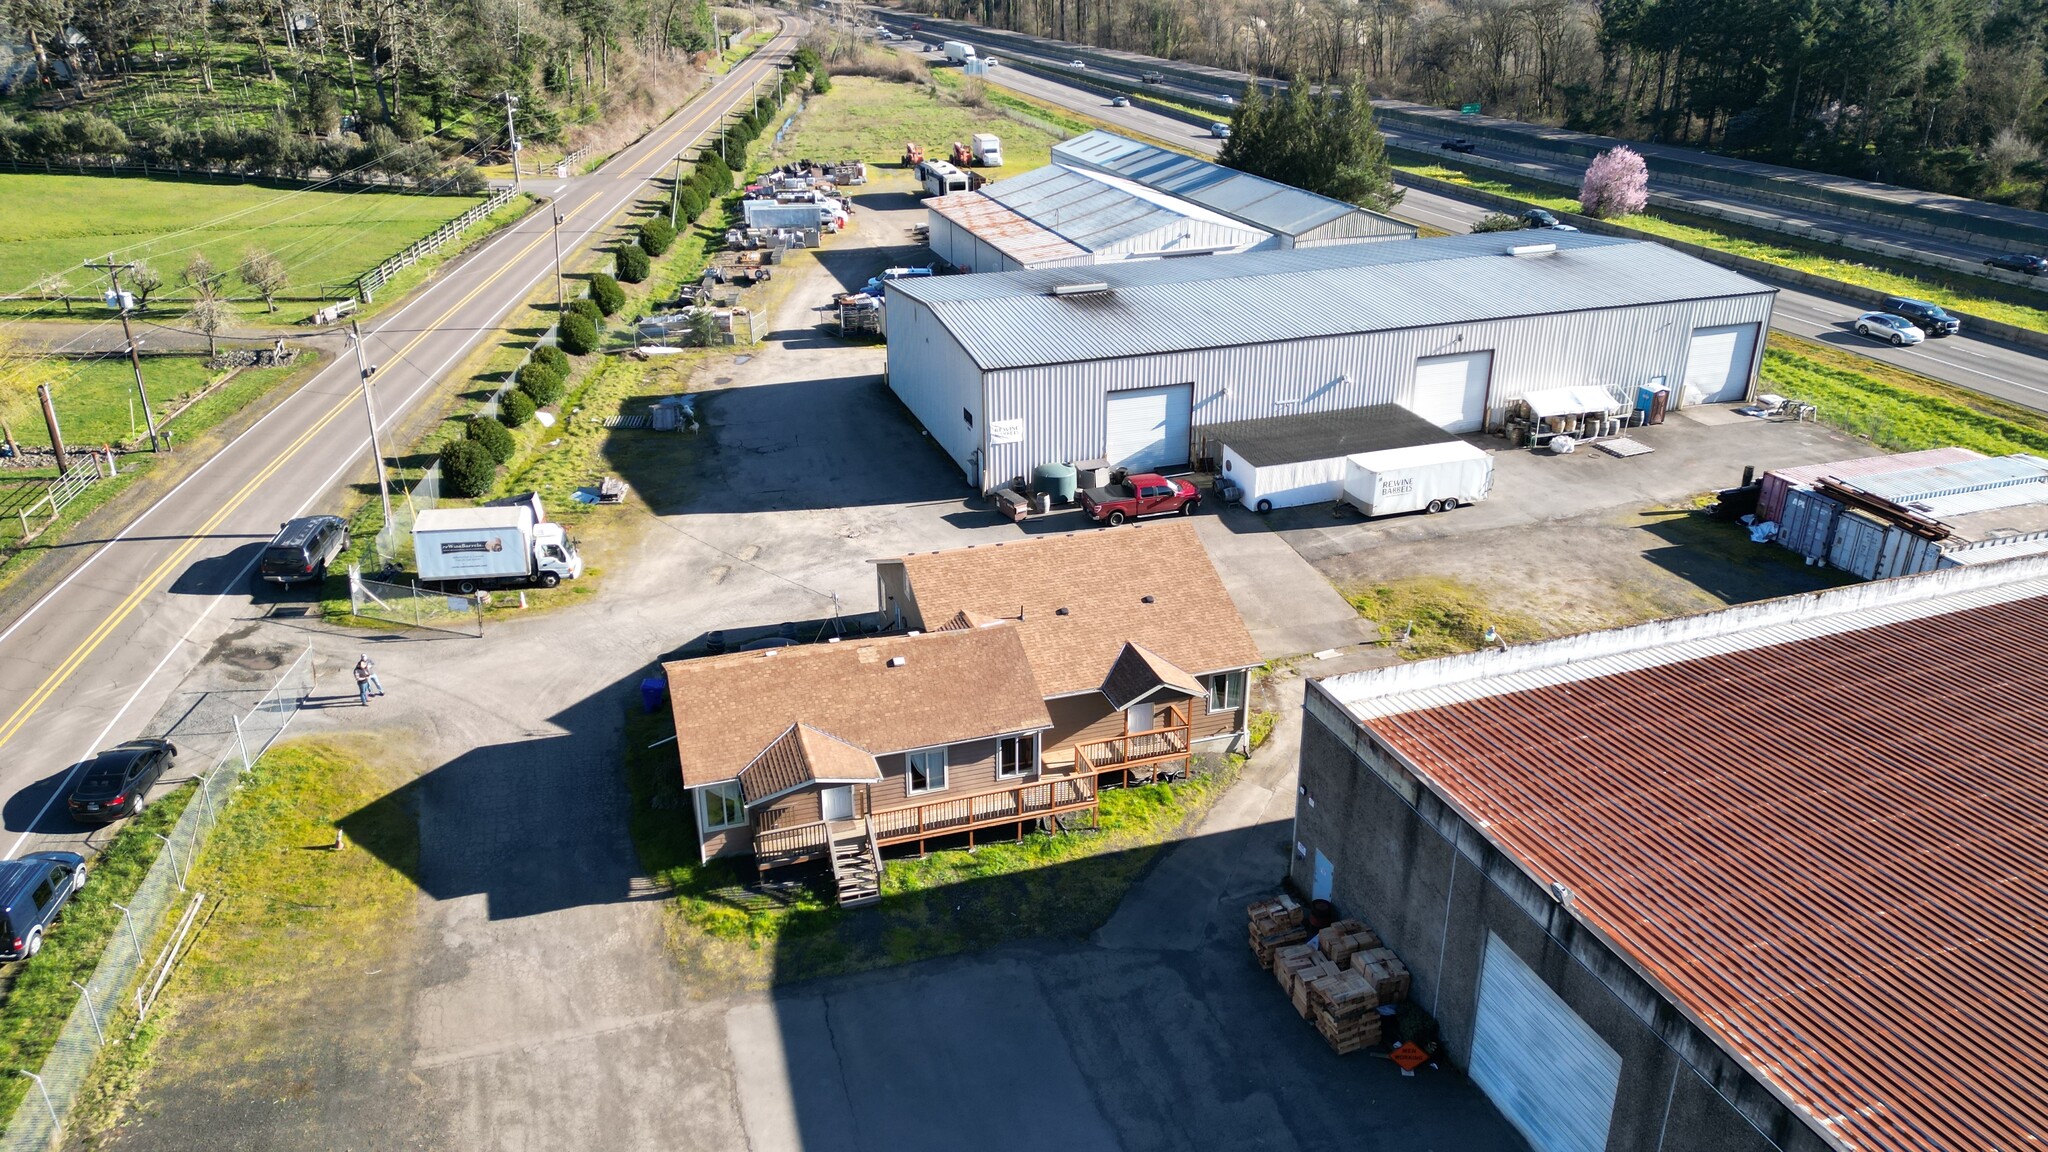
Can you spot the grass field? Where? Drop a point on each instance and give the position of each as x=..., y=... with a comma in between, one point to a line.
x=1951, y=291
x=870, y=119
x=93, y=400
x=326, y=239
x=1893, y=408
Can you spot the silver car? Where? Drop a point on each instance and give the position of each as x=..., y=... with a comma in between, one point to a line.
x=1895, y=330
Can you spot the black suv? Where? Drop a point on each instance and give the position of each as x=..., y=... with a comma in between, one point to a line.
x=2024, y=263
x=33, y=890
x=1929, y=318
x=115, y=781
x=303, y=548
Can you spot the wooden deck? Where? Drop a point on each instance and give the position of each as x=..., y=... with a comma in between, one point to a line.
x=1170, y=741
x=1027, y=801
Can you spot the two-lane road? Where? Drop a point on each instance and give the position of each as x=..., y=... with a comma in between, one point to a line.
x=88, y=663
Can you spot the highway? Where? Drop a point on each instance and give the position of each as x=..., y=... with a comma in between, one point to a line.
x=89, y=663
x=1981, y=365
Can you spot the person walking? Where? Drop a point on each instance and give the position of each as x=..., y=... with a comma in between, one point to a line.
x=367, y=684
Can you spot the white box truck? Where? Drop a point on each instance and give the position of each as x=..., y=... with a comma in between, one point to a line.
x=959, y=52
x=465, y=549
x=1431, y=477
x=988, y=150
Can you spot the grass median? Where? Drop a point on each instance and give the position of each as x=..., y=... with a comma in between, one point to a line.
x=1893, y=408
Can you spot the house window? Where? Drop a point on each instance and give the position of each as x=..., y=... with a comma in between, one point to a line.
x=925, y=771
x=721, y=806
x=968, y=416
x=1016, y=756
x=1226, y=691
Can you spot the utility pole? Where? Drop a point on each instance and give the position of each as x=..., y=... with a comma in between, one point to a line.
x=50, y=421
x=376, y=445
x=119, y=301
x=675, y=193
x=512, y=136
x=561, y=297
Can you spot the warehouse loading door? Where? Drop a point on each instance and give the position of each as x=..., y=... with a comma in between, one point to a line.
x=1717, y=364
x=1148, y=427
x=1547, y=1071
x=1450, y=391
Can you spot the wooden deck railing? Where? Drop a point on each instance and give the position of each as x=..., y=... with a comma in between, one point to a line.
x=1170, y=741
x=776, y=847
x=1024, y=802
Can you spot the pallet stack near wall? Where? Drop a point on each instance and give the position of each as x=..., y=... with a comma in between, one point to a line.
x=1336, y=980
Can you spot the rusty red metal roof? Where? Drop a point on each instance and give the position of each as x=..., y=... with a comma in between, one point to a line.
x=1832, y=851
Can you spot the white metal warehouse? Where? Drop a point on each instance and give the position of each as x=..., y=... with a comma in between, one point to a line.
x=1125, y=362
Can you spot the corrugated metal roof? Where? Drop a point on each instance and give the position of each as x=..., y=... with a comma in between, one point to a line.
x=1010, y=320
x=1962, y=477
x=1097, y=210
x=1268, y=204
x=1002, y=229
x=1824, y=848
x=1873, y=465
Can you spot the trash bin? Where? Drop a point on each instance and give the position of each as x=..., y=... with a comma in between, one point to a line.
x=653, y=694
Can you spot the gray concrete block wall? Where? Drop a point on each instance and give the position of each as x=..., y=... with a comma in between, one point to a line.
x=1435, y=889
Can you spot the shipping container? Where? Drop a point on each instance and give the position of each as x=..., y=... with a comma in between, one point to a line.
x=1770, y=501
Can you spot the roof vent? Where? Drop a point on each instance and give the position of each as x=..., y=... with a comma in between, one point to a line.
x=1089, y=289
x=1146, y=600
x=912, y=632
x=1059, y=612
x=1531, y=249
x=897, y=661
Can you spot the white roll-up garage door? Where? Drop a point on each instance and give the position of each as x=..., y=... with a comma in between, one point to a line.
x=1717, y=364
x=1148, y=427
x=1450, y=391
x=1547, y=1071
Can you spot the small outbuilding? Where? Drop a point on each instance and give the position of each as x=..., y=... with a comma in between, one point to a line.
x=1288, y=461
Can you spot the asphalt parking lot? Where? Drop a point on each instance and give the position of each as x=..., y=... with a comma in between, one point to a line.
x=533, y=1002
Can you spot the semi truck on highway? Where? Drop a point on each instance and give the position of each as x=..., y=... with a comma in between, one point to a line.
x=467, y=549
x=958, y=51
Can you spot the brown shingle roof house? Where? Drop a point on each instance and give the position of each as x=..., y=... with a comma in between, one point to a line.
x=1029, y=675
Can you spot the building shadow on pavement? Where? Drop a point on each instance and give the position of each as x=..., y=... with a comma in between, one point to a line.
x=1105, y=1003
x=1718, y=557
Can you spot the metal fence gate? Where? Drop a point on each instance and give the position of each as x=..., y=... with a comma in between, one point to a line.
x=412, y=606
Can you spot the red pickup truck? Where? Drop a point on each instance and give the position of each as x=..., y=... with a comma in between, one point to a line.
x=1140, y=494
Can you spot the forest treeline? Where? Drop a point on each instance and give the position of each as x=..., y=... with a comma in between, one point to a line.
x=1950, y=95
x=411, y=88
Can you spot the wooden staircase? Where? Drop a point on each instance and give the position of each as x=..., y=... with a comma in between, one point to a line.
x=856, y=864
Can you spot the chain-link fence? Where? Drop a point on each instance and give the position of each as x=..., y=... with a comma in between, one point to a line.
x=412, y=606
x=141, y=954
x=394, y=539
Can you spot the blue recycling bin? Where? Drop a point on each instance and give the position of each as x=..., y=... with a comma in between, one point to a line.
x=653, y=694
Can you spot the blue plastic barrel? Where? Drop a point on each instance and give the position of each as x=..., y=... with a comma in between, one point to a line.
x=653, y=694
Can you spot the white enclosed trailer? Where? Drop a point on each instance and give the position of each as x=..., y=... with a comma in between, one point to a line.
x=1432, y=477
x=1289, y=461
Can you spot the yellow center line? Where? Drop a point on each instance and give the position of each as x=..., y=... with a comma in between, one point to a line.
x=122, y=611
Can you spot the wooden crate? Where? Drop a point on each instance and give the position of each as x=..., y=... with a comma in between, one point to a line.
x=1345, y=937
x=1344, y=1008
x=1264, y=944
x=1388, y=975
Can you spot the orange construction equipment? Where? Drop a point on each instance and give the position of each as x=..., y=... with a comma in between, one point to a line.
x=962, y=158
x=913, y=154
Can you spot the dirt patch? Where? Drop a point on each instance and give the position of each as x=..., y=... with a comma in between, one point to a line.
x=1558, y=577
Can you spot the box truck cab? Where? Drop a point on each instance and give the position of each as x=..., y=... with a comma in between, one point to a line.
x=957, y=51
x=988, y=150
x=467, y=549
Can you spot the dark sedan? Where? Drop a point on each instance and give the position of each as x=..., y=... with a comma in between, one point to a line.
x=114, y=782
x=2020, y=262
x=1459, y=145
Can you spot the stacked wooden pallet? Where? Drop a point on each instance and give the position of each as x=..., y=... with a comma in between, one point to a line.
x=1296, y=967
x=1344, y=938
x=1389, y=977
x=1275, y=924
x=1345, y=1010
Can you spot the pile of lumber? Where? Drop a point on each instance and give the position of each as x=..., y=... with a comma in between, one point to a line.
x=1275, y=924
x=1345, y=1010
x=1345, y=938
x=1389, y=977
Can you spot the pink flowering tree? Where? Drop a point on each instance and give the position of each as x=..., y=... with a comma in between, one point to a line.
x=1616, y=184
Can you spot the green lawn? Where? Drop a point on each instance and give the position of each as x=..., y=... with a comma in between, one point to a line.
x=870, y=119
x=1446, y=616
x=93, y=398
x=1950, y=290
x=326, y=239
x=1895, y=409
